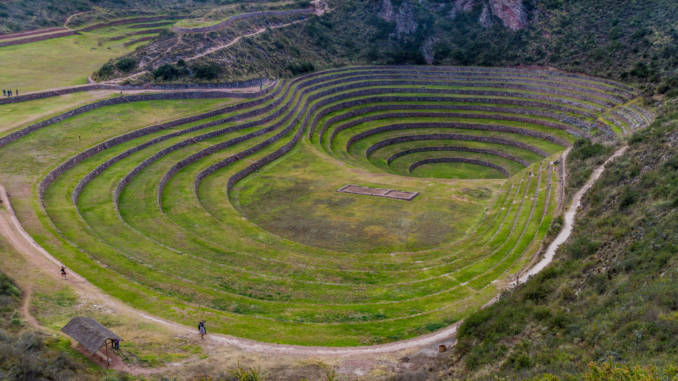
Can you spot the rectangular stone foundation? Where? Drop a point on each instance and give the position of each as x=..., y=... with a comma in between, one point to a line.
x=388, y=193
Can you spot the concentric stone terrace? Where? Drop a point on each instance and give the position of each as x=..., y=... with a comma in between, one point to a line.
x=232, y=215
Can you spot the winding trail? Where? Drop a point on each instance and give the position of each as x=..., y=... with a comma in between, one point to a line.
x=569, y=218
x=11, y=228
x=237, y=39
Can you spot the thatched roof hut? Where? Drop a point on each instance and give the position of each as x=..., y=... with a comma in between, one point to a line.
x=89, y=333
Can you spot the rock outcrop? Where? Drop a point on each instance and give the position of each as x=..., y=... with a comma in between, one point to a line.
x=512, y=13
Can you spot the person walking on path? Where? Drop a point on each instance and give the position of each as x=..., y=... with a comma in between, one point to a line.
x=201, y=329
x=63, y=272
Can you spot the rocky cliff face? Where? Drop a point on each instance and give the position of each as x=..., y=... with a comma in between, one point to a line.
x=512, y=13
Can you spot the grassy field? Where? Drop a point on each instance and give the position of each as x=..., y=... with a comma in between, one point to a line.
x=44, y=65
x=16, y=115
x=235, y=218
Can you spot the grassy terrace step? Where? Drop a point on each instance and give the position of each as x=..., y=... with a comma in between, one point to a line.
x=549, y=119
x=476, y=162
x=232, y=215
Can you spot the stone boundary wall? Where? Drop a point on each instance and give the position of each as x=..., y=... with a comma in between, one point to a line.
x=474, y=126
x=424, y=114
x=492, y=152
x=37, y=38
x=226, y=23
x=458, y=160
x=30, y=33
x=119, y=100
x=461, y=137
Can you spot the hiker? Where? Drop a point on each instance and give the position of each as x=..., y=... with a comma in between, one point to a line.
x=16, y=92
x=4, y=92
x=201, y=329
x=116, y=344
x=9, y=93
x=63, y=272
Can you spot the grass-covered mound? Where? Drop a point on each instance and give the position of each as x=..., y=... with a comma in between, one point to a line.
x=232, y=213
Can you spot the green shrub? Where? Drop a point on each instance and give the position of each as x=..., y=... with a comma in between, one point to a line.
x=300, y=68
x=126, y=64
x=581, y=246
x=207, y=71
x=169, y=72
x=106, y=70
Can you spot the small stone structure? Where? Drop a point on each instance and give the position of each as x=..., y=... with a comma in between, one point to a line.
x=388, y=193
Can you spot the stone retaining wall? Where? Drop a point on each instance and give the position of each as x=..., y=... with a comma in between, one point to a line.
x=397, y=98
x=461, y=137
x=474, y=126
x=115, y=101
x=458, y=160
x=423, y=114
x=139, y=133
x=37, y=38
x=126, y=21
x=395, y=110
x=30, y=33
x=492, y=152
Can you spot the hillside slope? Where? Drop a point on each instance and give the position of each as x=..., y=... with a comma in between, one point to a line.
x=612, y=295
x=635, y=42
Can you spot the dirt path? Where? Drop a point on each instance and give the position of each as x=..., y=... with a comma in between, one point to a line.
x=68, y=20
x=569, y=216
x=237, y=39
x=208, y=51
x=11, y=228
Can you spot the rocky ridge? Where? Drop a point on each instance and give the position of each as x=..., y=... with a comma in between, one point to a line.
x=512, y=13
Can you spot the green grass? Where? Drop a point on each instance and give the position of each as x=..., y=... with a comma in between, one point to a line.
x=457, y=171
x=44, y=65
x=16, y=115
x=282, y=256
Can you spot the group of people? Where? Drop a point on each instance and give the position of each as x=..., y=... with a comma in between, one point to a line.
x=8, y=92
